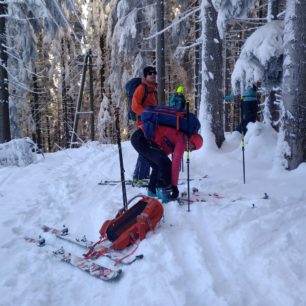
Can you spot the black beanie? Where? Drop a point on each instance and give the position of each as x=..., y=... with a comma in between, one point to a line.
x=147, y=70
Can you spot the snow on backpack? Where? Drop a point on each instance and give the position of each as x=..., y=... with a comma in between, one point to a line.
x=128, y=226
x=153, y=116
x=130, y=88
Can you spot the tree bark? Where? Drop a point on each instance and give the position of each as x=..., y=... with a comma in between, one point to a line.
x=213, y=80
x=37, y=136
x=294, y=80
x=197, y=66
x=64, y=95
x=274, y=9
x=5, y=134
x=160, y=52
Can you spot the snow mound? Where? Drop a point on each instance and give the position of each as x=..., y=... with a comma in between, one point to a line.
x=17, y=152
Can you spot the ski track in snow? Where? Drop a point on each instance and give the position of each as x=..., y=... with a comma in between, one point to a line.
x=225, y=252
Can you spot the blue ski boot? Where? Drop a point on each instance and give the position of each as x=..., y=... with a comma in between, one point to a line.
x=163, y=193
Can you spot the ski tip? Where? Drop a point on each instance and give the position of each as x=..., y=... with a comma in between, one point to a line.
x=30, y=239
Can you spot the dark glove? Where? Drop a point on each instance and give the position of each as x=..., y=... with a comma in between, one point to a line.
x=175, y=193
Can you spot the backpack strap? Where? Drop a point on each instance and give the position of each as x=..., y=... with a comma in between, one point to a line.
x=143, y=223
x=145, y=87
x=168, y=143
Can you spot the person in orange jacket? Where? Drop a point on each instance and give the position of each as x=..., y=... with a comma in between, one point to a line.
x=147, y=90
x=165, y=173
x=144, y=95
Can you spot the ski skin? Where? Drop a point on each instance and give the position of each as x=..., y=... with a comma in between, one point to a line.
x=83, y=264
x=87, y=244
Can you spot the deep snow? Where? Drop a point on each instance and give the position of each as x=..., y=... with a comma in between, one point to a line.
x=241, y=250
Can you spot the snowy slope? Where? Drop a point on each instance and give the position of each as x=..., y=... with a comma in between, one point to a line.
x=236, y=251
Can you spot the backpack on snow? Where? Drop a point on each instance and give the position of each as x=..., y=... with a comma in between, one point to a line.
x=130, y=88
x=128, y=226
x=153, y=116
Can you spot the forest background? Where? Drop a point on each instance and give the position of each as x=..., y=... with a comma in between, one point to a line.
x=58, y=54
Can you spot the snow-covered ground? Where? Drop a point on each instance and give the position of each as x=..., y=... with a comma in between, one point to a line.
x=241, y=250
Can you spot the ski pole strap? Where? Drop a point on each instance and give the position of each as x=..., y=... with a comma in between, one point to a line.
x=118, y=261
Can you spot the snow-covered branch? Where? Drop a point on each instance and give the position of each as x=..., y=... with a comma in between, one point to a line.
x=175, y=22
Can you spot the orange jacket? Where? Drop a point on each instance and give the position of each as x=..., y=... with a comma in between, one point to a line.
x=151, y=99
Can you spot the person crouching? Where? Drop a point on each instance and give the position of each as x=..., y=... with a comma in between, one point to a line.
x=165, y=173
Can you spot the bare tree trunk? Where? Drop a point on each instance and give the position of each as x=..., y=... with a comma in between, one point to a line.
x=64, y=96
x=103, y=60
x=160, y=52
x=5, y=134
x=37, y=136
x=214, y=78
x=197, y=66
x=294, y=80
x=273, y=9
x=49, y=146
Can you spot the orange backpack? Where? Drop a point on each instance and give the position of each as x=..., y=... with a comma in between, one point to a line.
x=128, y=226
x=133, y=224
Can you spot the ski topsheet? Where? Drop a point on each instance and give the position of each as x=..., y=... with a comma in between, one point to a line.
x=197, y=196
x=144, y=182
x=65, y=235
x=87, y=244
x=83, y=264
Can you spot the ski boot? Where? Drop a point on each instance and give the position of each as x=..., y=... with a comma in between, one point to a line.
x=164, y=194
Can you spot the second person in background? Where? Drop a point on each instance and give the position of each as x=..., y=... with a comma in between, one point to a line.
x=178, y=100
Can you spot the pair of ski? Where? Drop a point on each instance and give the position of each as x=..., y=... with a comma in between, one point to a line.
x=81, y=263
x=144, y=182
x=196, y=196
x=140, y=183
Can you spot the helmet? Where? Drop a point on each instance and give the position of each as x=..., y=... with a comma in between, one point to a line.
x=197, y=140
x=180, y=89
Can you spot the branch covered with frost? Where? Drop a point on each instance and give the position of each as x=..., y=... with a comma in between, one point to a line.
x=230, y=9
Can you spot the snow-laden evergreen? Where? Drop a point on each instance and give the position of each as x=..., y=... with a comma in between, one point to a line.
x=34, y=33
x=243, y=249
x=260, y=49
x=230, y=9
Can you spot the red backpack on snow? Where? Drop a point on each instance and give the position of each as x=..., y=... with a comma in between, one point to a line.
x=128, y=226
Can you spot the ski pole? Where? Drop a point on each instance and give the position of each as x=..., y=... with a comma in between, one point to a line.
x=242, y=142
x=117, y=115
x=188, y=153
